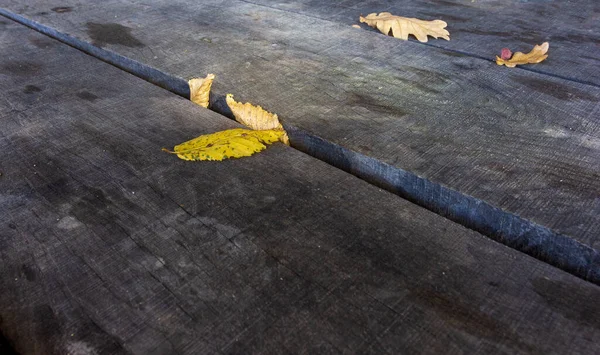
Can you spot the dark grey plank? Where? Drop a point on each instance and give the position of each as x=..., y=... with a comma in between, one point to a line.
x=109, y=246
x=482, y=28
x=524, y=142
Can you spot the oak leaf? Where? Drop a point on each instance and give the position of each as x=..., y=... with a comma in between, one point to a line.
x=233, y=143
x=537, y=55
x=255, y=117
x=200, y=89
x=401, y=27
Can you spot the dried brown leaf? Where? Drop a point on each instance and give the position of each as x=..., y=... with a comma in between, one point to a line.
x=401, y=27
x=255, y=117
x=537, y=55
x=200, y=90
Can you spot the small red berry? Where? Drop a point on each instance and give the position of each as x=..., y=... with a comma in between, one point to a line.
x=505, y=54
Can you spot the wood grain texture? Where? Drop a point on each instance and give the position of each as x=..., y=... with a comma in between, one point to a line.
x=482, y=28
x=109, y=246
x=521, y=141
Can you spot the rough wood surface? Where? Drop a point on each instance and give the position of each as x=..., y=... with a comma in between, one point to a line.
x=482, y=28
x=109, y=246
x=525, y=142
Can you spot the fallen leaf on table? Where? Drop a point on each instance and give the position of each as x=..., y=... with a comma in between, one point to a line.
x=255, y=117
x=233, y=143
x=200, y=89
x=252, y=116
x=537, y=55
x=401, y=27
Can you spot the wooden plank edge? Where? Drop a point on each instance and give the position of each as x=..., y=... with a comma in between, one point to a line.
x=501, y=226
x=143, y=71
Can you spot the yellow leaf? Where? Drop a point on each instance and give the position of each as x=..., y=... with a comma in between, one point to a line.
x=401, y=27
x=233, y=143
x=200, y=89
x=255, y=117
x=537, y=55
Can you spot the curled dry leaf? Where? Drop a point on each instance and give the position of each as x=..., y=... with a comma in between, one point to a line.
x=255, y=117
x=356, y=26
x=537, y=55
x=200, y=89
x=233, y=143
x=401, y=27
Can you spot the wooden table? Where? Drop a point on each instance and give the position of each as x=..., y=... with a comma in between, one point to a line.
x=109, y=245
x=511, y=153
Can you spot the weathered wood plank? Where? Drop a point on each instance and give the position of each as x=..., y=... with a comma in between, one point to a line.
x=524, y=142
x=108, y=245
x=482, y=28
